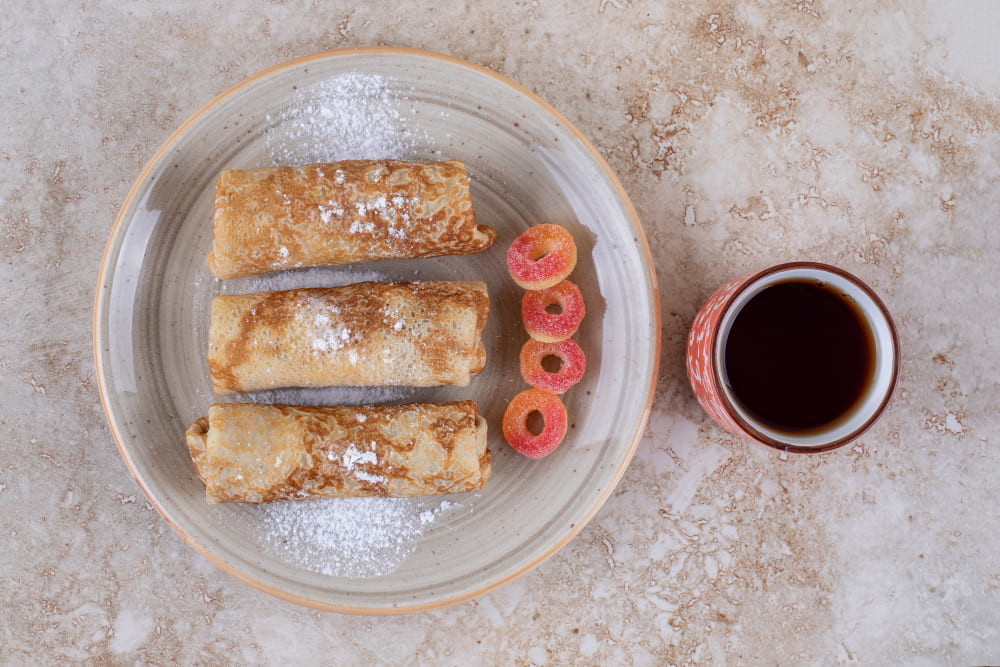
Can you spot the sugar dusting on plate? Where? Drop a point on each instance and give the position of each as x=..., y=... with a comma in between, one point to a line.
x=351, y=116
x=348, y=537
x=347, y=117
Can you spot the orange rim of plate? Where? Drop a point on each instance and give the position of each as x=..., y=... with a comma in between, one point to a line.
x=639, y=236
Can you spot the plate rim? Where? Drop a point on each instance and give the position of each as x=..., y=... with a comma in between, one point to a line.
x=100, y=301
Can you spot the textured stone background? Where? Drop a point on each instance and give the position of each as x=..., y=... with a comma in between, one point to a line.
x=747, y=133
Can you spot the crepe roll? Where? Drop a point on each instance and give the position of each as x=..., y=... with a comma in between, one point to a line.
x=416, y=334
x=257, y=453
x=342, y=213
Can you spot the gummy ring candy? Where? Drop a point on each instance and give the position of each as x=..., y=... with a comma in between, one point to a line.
x=541, y=256
x=553, y=327
x=515, y=422
x=568, y=352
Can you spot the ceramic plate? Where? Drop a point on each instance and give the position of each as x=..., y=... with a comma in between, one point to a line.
x=527, y=165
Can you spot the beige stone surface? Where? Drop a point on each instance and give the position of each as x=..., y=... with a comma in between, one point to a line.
x=864, y=134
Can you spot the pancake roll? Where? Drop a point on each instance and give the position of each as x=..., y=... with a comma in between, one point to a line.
x=341, y=213
x=417, y=334
x=256, y=453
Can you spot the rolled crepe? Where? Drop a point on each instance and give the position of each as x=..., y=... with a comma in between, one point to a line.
x=342, y=213
x=258, y=453
x=417, y=334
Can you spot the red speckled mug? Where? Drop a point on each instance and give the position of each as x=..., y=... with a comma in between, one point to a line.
x=712, y=372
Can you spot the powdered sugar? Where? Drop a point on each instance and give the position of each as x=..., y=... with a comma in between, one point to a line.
x=395, y=211
x=328, y=334
x=347, y=117
x=359, y=226
x=328, y=212
x=349, y=537
x=343, y=537
x=353, y=458
x=427, y=516
x=368, y=477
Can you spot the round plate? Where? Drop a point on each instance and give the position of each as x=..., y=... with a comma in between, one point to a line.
x=527, y=165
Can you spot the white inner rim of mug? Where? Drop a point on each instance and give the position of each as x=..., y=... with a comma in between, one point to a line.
x=866, y=407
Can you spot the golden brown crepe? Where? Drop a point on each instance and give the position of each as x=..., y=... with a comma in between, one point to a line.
x=259, y=453
x=418, y=334
x=342, y=213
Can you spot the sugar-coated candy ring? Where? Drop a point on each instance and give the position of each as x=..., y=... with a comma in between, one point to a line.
x=553, y=327
x=568, y=352
x=515, y=423
x=541, y=256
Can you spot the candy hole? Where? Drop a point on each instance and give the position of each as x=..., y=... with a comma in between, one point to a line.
x=535, y=423
x=551, y=363
x=554, y=308
x=538, y=252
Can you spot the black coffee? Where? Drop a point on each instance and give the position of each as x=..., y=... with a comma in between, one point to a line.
x=799, y=355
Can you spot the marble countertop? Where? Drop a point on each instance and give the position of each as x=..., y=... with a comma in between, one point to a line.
x=746, y=134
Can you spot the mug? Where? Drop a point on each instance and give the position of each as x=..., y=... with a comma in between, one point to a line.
x=802, y=357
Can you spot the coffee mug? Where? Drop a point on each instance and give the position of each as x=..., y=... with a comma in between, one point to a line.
x=801, y=356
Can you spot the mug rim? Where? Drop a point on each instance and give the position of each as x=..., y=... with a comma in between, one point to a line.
x=736, y=415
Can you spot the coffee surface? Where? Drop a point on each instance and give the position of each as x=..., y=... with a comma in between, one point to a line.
x=798, y=355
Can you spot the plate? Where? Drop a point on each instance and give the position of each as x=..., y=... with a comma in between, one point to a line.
x=527, y=164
